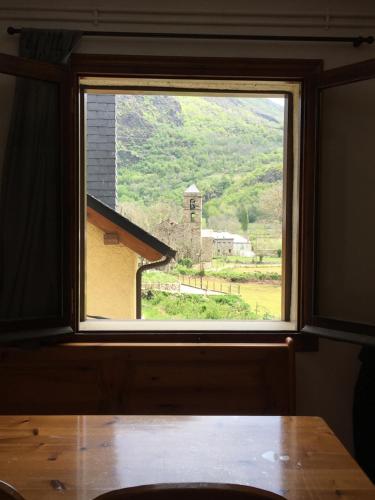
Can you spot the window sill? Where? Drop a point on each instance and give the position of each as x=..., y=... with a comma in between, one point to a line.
x=226, y=333
x=148, y=326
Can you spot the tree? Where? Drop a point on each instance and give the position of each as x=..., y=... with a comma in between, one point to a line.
x=149, y=217
x=224, y=222
x=243, y=218
x=135, y=212
x=271, y=203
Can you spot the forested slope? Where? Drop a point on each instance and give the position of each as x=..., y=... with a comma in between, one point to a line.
x=230, y=147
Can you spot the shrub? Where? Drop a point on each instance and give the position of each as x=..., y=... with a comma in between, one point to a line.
x=185, y=262
x=242, y=277
x=230, y=275
x=179, y=269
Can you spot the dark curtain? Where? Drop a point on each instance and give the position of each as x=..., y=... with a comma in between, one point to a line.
x=364, y=413
x=30, y=201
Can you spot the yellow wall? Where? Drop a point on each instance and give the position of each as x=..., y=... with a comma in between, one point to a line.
x=110, y=278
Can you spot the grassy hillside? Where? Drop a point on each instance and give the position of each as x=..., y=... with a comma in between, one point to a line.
x=231, y=148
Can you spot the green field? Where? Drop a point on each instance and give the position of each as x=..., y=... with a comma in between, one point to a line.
x=224, y=262
x=264, y=269
x=159, y=305
x=264, y=299
x=158, y=277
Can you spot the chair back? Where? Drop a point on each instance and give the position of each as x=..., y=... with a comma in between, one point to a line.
x=190, y=491
x=7, y=492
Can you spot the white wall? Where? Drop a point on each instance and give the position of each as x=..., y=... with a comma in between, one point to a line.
x=328, y=18
x=325, y=384
x=325, y=379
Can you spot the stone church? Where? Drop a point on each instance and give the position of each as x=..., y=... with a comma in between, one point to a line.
x=186, y=237
x=195, y=243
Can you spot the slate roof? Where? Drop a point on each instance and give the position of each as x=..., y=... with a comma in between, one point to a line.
x=101, y=147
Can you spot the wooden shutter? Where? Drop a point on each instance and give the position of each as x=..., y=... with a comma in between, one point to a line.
x=342, y=280
x=61, y=321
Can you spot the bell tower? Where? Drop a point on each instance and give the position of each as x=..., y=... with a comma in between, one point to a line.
x=193, y=206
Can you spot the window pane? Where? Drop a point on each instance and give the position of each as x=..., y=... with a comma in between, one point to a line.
x=346, y=287
x=203, y=176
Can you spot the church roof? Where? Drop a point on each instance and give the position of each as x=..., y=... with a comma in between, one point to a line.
x=192, y=189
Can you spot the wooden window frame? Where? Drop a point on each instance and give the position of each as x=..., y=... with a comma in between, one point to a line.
x=315, y=324
x=300, y=71
x=61, y=325
x=308, y=73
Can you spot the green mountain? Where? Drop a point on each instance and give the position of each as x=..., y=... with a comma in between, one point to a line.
x=230, y=147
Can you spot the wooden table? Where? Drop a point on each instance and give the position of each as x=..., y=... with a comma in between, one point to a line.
x=78, y=457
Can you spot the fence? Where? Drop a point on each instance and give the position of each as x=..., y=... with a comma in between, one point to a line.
x=197, y=282
x=211, y=284
x=165, y=287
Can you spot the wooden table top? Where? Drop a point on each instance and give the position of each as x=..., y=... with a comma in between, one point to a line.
x=79, y=457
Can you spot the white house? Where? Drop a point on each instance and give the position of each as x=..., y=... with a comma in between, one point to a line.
x=225, y=244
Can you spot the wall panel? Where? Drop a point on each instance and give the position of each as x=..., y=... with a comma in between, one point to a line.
x=138, y=379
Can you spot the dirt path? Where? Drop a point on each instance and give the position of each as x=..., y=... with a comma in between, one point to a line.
x=198, y=291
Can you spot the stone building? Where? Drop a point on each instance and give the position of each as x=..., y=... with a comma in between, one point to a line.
x=192, y=223
x=225, y=244
x=186, y=236
x=195, y=243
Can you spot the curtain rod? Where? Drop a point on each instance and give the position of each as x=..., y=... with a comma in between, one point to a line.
x=357, y=41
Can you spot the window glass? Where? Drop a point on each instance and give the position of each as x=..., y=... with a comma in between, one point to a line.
x=200, y=174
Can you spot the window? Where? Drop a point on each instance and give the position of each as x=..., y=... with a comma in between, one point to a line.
x=141, y=140
x=308, y=195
